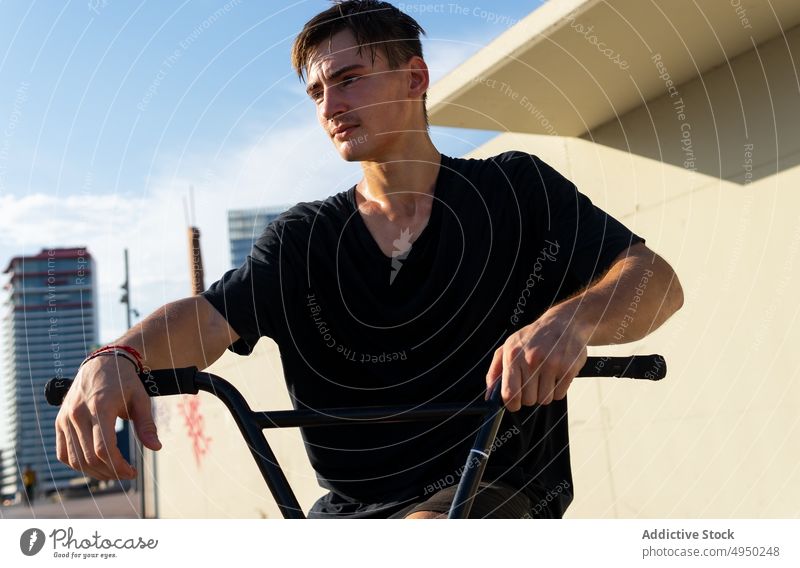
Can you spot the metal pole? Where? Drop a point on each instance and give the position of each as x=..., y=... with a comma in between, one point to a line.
x=133, y=443
x=126, y=299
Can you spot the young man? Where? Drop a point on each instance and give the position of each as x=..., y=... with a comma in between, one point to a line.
x=427, y=281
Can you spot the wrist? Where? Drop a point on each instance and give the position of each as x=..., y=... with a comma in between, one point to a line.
x=571, y=316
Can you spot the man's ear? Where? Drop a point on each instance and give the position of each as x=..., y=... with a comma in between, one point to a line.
x=418, y=77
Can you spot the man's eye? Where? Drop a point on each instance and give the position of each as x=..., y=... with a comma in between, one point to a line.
x=350, y=80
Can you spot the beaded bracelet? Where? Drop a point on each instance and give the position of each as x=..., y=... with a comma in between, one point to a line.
x=123, y=350
x=115, y=354
x=127, y=348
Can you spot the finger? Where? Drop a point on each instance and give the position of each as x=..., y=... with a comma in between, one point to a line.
x=142, y=416
x=61, y=444
x=563, y=385
x=71, y=450
x=530, y=389
x=512, y=380
x=81, y=427
x=105, y=447
x=547, y=385
x=495, y=371
x=76, y=458
x=564, y=382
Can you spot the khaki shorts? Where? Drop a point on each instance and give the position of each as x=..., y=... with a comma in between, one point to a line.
x=494, y=500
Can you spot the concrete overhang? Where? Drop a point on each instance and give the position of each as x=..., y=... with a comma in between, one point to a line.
x=572, y=65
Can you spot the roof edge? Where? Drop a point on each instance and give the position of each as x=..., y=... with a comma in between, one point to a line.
x=542, y=22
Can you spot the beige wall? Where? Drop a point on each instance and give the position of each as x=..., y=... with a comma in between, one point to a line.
x=719, y=437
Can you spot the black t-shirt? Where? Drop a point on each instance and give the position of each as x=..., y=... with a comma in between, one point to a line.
x=508, y=237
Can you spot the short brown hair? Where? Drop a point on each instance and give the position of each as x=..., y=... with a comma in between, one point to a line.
x=374, y=24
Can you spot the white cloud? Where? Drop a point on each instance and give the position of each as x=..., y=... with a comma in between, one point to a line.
x=288, y=163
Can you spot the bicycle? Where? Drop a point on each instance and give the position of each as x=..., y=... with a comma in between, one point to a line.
x=189, y=380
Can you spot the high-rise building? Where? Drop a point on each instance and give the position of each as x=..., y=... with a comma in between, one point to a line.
x=244, y=228
x=49, y=321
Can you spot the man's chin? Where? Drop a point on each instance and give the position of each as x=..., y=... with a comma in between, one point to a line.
x=351, y=154
x=348, y=157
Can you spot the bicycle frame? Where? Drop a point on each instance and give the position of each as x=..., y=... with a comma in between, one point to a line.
x=251, y=423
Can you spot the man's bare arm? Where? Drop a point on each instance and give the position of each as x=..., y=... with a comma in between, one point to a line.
x=635, y=297
x=188, y=332
x=538, y=363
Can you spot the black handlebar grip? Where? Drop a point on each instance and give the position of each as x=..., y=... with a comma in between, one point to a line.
x=649, y=367
x=162, y=382
x=165, y=382
x=56, y=389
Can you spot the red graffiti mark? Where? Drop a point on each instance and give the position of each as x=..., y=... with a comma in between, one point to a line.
x=193, y=418
x=163, y=415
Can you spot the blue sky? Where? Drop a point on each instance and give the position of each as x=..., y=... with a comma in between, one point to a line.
x=110, y=110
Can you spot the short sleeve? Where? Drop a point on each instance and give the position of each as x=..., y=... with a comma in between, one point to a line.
x=588, y=238
x=249, y=297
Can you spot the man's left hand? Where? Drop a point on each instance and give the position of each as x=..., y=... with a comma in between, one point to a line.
x=538, y=362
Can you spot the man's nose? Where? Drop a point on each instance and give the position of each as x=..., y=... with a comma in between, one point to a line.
x=333, y=104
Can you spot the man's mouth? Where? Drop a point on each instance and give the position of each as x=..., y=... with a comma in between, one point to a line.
x=343, y=132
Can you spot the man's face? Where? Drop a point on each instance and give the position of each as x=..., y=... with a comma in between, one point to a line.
x=364, y=107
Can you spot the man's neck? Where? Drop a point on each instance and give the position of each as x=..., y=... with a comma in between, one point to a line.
x=397, y=185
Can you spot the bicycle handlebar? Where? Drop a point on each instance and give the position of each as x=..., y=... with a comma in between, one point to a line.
x=164, y=382
x=251, y=424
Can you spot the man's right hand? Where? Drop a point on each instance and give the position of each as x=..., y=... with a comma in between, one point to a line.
x=105, y=388
x=108, y=387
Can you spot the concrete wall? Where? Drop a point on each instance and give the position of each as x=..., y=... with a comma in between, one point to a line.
x=719, y=437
